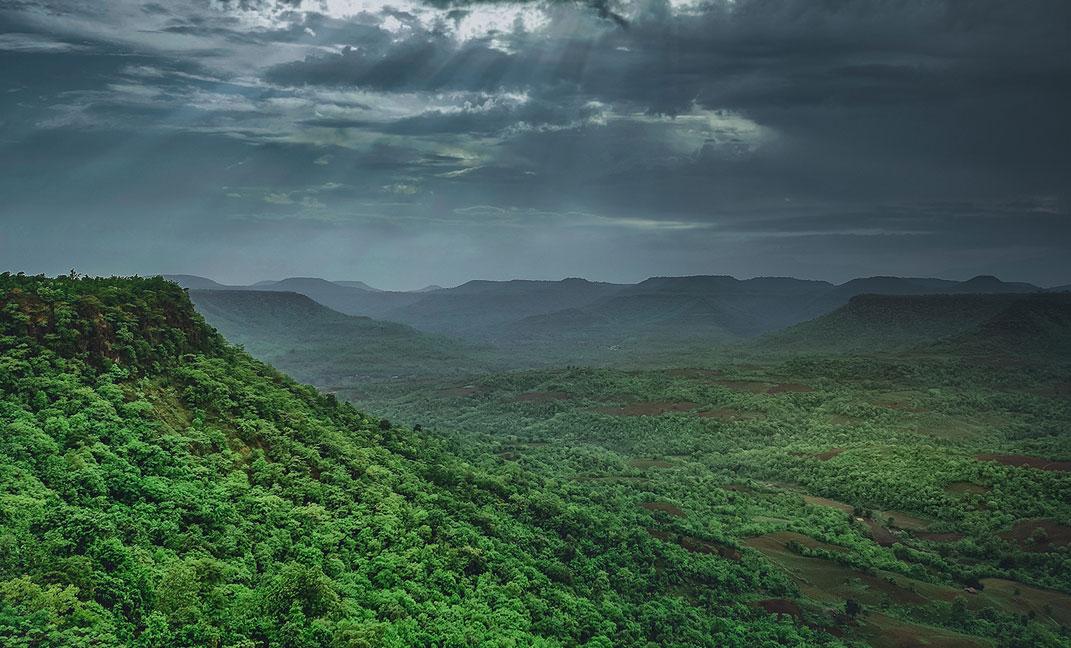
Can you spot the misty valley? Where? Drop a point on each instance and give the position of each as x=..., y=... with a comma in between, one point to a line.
x=687, y=461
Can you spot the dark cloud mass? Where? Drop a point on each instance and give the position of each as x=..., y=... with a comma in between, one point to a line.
x=408, y=143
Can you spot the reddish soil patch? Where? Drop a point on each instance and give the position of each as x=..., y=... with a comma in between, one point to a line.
x=650, y=463
x=695, y=545
x=939, y=536
x=664, y=536
x=664, y=507
x=962, y=488
x=880, y=534
x=1023, y=461
x=1039, y=534
x=542, y=397
x=728, y=414
x=825, y=501
x=901, y=520
x=779, y=541
x=650, y=408
x=789, y=388
x=780, y=607
x=882, y=631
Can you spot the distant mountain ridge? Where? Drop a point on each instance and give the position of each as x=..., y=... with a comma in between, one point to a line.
x=580, y=312
x=971, y=323
x=314, y=343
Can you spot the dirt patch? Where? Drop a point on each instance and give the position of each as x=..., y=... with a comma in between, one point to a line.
x=729, y=414
x=695, y=545
x=1038, y=534
x=542, y=397
x=668, y=509
x=1023, y=461
x=780, y=541
x=790, y=388
x=964, y=488
x=664, y=536
x=825, y=501
x=880, y=534
x=883, y=631
x=780, y=607
x=649, y=408
x=827, y=580
x=901, y=520
x=650, y=463
x=1047, y=605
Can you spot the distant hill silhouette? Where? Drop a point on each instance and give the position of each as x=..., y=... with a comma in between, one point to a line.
x=961, y=323
x=325, y=347
x=578, y=311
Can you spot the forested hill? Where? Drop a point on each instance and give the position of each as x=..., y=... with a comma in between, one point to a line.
x=956, y=325
x=326, y=348
x=161, y=488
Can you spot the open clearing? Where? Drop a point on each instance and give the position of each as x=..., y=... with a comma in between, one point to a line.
x=1023, y=461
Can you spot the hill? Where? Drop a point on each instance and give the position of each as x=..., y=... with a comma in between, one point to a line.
x=326, y=348
x=952, y=324
x=591, y=321
x=194, y=282
x=1036, y=326
x=476, y=308
x=357, y=284
x=162, y=488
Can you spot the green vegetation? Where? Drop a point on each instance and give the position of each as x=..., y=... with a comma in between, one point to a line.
x=926, y=491
x=163, y=488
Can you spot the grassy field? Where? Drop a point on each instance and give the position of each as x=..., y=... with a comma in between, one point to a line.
x=928, y=497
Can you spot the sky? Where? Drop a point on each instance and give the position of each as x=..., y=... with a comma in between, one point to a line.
x=407, y=143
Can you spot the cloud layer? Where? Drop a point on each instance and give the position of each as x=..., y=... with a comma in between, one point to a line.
x=406, y=143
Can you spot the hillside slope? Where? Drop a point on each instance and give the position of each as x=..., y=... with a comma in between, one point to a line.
x=161, y=488
x=949, y=324
x=324, y=347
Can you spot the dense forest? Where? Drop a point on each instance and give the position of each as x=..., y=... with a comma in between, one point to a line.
x=162, y=488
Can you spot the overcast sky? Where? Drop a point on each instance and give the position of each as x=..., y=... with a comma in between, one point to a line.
x=406, y=143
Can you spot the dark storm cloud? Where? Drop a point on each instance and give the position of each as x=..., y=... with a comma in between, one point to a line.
x=812, y=137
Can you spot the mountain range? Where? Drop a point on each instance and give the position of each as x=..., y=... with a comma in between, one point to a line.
x=577, y=313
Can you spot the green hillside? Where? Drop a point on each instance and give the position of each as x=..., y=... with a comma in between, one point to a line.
x=888, y=323
x=1036, y=326
x=963, y=325
x=162, y=488
x=324, y=347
